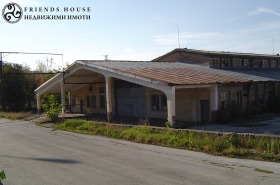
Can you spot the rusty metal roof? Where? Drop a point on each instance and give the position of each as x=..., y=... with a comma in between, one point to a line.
x=180, y=73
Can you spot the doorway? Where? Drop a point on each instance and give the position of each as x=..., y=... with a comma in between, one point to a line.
x=205, y=115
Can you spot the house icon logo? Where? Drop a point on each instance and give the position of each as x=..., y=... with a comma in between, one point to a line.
x=12, y=13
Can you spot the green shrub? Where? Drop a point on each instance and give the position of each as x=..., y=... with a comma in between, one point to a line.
x=2, y=176
x=51, y=107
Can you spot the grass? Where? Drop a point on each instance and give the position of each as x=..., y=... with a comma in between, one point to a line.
x=263, y=171
x=14, y=115
x=242, y=146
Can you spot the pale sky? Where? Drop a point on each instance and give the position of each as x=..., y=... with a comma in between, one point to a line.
x=143, y=29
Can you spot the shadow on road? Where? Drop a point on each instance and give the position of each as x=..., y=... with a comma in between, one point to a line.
x=52, y=160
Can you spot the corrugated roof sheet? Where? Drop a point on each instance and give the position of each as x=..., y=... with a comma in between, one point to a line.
x=180, y=73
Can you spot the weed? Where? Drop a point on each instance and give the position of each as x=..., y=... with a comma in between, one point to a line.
x=2, y=176
x=167, y=124
x=14, y=115
x=245, y=146
x=263, y=171
x=144, y=122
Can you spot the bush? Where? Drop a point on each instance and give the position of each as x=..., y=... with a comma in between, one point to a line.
x=2, y=176
x=51, y=107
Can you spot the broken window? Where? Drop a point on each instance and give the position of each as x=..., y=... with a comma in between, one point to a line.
x=273, y=64
x=225, y=99
x=236, y=98
x=257, y=63
x=265, y=64
x=225, y=62
x=247, y=63
x=215, y=62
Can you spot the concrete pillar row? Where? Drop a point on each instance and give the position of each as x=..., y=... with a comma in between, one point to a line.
x=69, y=102
x=108, y=81
x=39, y=104
x=171, y=111
x=214, y=102
x=62, y=92
x=214, y=98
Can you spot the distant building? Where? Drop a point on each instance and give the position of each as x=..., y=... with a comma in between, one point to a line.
x=183, y=86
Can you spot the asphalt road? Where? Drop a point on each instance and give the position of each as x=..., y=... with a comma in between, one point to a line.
x=32, y=155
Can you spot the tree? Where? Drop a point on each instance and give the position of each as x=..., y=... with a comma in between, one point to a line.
x=18, y=83
x=12, y=89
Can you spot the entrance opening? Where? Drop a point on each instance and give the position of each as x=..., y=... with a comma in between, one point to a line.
x=205, y=116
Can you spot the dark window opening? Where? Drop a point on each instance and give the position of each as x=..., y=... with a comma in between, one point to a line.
x=155, y=102
x=93, y=101
x=101, y=90
x=102, y=102
x=88, y=101
x=225, y=99
x=236, y=98
x=163, y=103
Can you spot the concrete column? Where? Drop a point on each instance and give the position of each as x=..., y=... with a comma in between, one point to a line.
x=214, y=98
x=171, y=111
x=69, y=102
x=62, y=92
x=39, y=105
x=109, y=97
x=214, y=102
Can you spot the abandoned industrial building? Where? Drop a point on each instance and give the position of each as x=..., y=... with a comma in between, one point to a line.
x=182, y=86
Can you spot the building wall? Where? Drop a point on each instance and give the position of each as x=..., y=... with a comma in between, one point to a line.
x=90, y=90
x=260, y=95
x=187, y=104
x=234, y=88
x=183, y=56
x=161, y=113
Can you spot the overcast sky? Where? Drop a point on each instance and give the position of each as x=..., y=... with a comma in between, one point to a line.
x=143, y=29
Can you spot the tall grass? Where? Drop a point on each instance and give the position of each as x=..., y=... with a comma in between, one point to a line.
x=14, y=115
x=245, y=146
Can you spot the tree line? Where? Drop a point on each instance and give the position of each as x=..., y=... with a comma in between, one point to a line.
x=18, y=82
